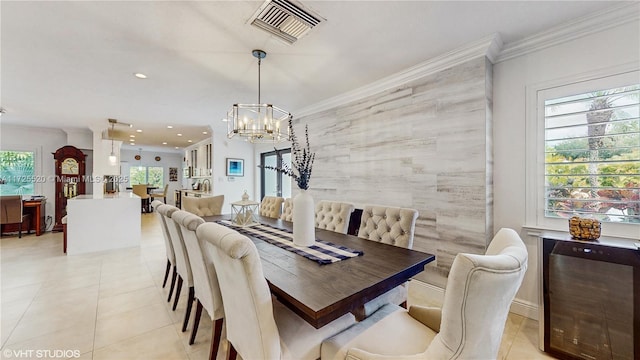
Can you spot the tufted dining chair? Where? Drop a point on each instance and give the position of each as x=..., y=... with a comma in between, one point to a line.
x=271, y=206
x=479, y=292
x=287, y=210
x=183, y=265
x=333, y=215
x=393, y=226
x=203, y=206
x=205, y=282
x=257, y=326
x=171, y=256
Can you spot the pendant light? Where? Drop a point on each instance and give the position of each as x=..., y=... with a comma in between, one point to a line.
x=113, y=159
x=258, y=122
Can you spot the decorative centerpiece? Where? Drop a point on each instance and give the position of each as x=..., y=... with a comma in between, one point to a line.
x=243, y=213
x=303, y=208
x=584, y=229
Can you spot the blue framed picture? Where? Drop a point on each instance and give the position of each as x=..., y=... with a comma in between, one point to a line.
x=235, y=167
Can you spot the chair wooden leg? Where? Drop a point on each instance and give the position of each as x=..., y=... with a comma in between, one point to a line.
x=187, y=313
x=166, y=274
x=232, y=354
x=177, y=297
x=20, y=231
x=64, y=238
x=173, y=283
x=215, y=339
x=196, y=322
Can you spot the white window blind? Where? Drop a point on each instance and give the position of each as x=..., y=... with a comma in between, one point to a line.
x=592, y=155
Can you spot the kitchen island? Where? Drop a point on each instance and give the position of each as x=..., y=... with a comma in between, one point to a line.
x=103, y=222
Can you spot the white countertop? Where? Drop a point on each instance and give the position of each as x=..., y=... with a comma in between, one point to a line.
x=117, y=195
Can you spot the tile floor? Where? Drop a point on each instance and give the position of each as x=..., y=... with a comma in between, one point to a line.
x=111, y=305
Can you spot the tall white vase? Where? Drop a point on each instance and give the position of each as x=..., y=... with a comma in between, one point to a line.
x=304, y=212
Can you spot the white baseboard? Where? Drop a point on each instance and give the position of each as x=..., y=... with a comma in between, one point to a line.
x=434, y=295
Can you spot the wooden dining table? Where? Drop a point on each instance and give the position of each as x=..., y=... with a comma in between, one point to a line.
x=323, y=293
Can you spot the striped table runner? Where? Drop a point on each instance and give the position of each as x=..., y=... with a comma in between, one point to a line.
x=323, y=252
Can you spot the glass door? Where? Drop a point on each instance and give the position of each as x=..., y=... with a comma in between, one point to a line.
x=274, y=183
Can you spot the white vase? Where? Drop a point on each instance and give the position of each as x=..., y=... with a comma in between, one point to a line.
x=304, y=212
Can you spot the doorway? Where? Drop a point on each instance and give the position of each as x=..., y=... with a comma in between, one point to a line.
x=274, y=183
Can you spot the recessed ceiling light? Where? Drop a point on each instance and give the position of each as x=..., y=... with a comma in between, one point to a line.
x=169, y=127
x=177, y=147
x=164, y=143
x=225, y=120
x=132, y=136
x=204, y=132
x=140, y=75
x=189, y=140
x=179, y=134
x=132, y=143
x=139, y=130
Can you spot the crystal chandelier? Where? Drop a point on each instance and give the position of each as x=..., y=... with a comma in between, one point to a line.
x=258, y=122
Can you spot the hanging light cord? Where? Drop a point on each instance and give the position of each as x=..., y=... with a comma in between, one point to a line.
x=259, y=62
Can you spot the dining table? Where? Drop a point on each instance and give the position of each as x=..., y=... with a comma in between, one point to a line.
x=321, y=293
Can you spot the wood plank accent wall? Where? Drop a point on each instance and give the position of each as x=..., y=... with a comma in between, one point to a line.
x=424, y=145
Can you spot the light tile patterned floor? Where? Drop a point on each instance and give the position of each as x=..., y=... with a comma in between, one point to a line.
x=111, y=305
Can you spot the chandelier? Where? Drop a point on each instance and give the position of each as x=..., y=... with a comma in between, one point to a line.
x=258, y=122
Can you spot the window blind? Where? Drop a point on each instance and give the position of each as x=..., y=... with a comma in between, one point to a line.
x=592, y=155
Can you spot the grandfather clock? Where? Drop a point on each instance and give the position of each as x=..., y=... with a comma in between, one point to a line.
x=70, y=171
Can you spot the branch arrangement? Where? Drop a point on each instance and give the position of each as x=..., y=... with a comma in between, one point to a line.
x=301, y=159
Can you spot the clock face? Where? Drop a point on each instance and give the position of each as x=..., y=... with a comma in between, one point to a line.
x=70, y=167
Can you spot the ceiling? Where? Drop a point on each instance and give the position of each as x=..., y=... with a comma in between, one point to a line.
x=71, y=64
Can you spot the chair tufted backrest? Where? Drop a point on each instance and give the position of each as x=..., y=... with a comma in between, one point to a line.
x=271, y=206
x=165, y=232
x=334, y=216
x=205, y=281
x=479, y=292
x=203, y=206
x=389, y=225
x=287, y=210
x=175, y=235
x=246, y=298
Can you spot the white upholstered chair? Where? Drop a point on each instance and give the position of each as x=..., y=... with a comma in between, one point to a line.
x=171, y=256
x=333, y=215
x=271, y=206
x=479, y=292
x=287, y=210
x=393, y=226
x=183, y=266
x=203, y=206
x=205, y=282
x=257, y=326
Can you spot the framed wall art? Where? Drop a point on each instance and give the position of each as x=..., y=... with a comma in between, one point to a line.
x=235, y=167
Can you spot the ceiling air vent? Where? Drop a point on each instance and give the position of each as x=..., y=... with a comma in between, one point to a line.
x=285, y=20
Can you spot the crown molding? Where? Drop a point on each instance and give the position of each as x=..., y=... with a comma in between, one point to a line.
x=488, y=46
x=583, y=26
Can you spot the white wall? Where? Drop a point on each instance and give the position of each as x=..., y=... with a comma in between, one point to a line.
x=593, y=53
x=44, y=142
x=147, y=158
x=233, y=187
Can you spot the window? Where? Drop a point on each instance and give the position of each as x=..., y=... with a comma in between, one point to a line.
x=592, y=155
x=583, y=151
x=17, y=175
x=151, y=175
